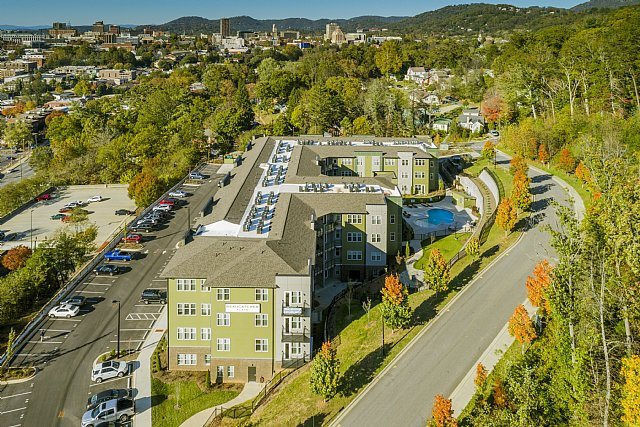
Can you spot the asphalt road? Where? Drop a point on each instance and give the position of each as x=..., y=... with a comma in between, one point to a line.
x=15, y=175
x=440, y=357
x=68, y=347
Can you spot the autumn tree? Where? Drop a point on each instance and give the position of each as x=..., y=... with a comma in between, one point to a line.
x=499, y=395
x=324, y=371
x=521, y=326
x=18, y=134
x=507, y=215
x=16, y=257
x=481, y=376
x=583, y=174
x=566, y=161
x=442, y=412
x=494, y=108
x=395, y=304
x=488, y=150
x=518, y=163
x=473, y=248
x=537, y=285
x=520, y=193
x=543, y=154
x=145, y=187
x=631, y=390
x=437, y=272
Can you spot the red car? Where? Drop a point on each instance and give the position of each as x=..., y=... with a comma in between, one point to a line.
x=65, y=210
x=43, y=197
x=166, y=202
x=133, y=238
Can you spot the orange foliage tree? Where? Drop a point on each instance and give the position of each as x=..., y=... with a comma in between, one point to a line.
x=507, y=215
x=520, y=193
x=631, y=390
x=521, y=326
x=481, y=375
x=499, y=394
x=488, y=150
x=537, y=285
x=566, y=161
x=395, y=303
x=16, y=258
x=518, y=164
x=442, y=412
x=543, y=154
x=494, y=108
x=583, y=174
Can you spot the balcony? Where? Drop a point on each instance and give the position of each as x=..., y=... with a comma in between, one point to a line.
x=296, y=310
x=297, y=335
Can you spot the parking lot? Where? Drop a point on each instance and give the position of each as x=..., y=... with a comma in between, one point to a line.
x=37, y=220
x=65, y=349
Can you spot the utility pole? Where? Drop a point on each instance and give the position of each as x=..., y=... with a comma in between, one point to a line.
x=31, y=229
x=382, y=336
x=118, y=346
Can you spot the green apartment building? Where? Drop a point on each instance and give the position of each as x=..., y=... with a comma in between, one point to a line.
x=240, y=293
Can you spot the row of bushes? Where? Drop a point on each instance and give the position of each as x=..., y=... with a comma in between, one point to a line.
x=16, y=194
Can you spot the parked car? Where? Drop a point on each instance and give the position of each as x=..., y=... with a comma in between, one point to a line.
x=44, y=197
x=117, y=255
x=494, y=133
x=132, y=238
x=142, y=228
x=77, y=300
x=158, y=216
x=195, y=175
x=8, y=237
x=106, y=395
x=177, y=193
x=65, y=210
x=65, y=310
x=167, y=202
x=146, y=220
x=124, y=212
x=165, y=208
x=114, y=410
x=94, y=199
x=58, y=216
x=106, y=370
x=153, y=295
x=107, y=270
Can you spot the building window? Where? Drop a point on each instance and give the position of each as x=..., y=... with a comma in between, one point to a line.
x=186, y=309
x=186, y=284
x=187, y=334
x=404, y=175
x=338, y=234
x=354, y=236
x=296, y=323
x=392, y=219
x=354, y=218
x=419, y=162
x=405, y=162
x=376, y=161
x=220, y=371
x=186, y=359
x=376, y=220
x=346, y=173
x=360, y=161
x=231, y=371
x=262, y=345
x=293, y=297
x=376, y=256
x=205, y=309
x=337, y=252
x=205, y=334
x=392, y=236
x=223, y=319
x=431, y=175
x=375, y=238
x=354, y=255
x=418, y=189
x=261, y=320
x=418, y=175
x=296, y=349
x=204, y=287
x=389, y=162
x=262, y=294
x=223, y=294
x=223, y=344
x=347, y=161
x=207, y=359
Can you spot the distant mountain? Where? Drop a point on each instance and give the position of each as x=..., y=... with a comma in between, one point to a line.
x=23, y=27
x=604, y=4
x=197, y=24
x=482, y=17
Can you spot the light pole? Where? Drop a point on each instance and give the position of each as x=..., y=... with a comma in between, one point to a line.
x=31, y=229
x=118, y=347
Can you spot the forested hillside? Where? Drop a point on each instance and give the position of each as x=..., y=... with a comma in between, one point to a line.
x=607, y=4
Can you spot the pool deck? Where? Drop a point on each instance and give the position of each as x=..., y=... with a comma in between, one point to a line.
x=462, y=218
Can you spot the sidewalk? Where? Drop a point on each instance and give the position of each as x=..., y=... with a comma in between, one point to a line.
x=463, y=393
x=249, y=391
x=142, y=373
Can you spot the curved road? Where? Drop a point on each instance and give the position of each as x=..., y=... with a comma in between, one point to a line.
x=442, y=354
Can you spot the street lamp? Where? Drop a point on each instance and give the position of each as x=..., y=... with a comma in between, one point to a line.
x=118, y=347
x=31, y=229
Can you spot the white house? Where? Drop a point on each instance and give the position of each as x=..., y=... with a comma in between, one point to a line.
x=441, y=125
x=472, y=119
x=417, y=74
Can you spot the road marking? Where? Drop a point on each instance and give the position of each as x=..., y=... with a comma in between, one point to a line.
x=148, y=305
x=15, y=395
x=90, y=292
x=62, y=319
x=45, y=342
x=134, y=329
x=162, y=289
x=16, y=425
x=56, y=330
x=99, y=284
x=124, y=341
x=12, y=410
x=142, y=316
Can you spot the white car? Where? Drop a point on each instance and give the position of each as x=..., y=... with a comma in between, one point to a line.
x=94, y=199
x=177, y=193
x=165, y=208
x=64, y=310
x=104, y=371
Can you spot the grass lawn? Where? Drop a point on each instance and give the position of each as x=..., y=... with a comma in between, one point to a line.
x=448, y=246
x=503, y=174
x=359, y=350
x=176, y=396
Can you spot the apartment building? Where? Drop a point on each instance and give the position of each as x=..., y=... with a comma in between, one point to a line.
x=240, y=293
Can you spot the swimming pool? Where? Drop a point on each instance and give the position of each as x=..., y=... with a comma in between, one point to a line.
x=435, y=216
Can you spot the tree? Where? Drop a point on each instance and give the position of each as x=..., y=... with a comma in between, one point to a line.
x=11, y=341
x=520, y=193
x=389, y=58
x=473, y=248
x=518, y=163
x=82, y=88
x=499, y=395
x=507, y=215
x=18, y=134
x=145, y=187
x=442, y=412
x=543, y=154
x=324, y=371
x=521, y=326
x=436, y=272
x=566, y=161
x=407, y=251
x=481, y=376
x=631, y=390
x=494, y=108
x=489, y=150
x=537, y=286
x=395, y=303
x=16, y=257
x=583, y=174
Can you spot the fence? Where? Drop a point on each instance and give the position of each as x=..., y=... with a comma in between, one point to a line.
x=31, y=327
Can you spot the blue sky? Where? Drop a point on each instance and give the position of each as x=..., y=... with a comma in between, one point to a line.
x=80, y=12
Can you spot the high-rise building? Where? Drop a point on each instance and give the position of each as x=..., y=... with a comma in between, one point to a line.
x=114, y=29
x=60, y=30
x=225, y=27
x=331, y=27
x=98, y=27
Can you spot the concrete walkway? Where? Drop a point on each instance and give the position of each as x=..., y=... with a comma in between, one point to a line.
x=249, y=391
x=142, y=372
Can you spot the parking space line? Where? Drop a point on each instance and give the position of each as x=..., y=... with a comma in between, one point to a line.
x=149, y=305
x=55, y=330
x=90, y=292
x=134, y=329
x=67, y=320
x=15, y=395
x=126, y=340
x=45, y=342
x=12, y=410
x=110, y=380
